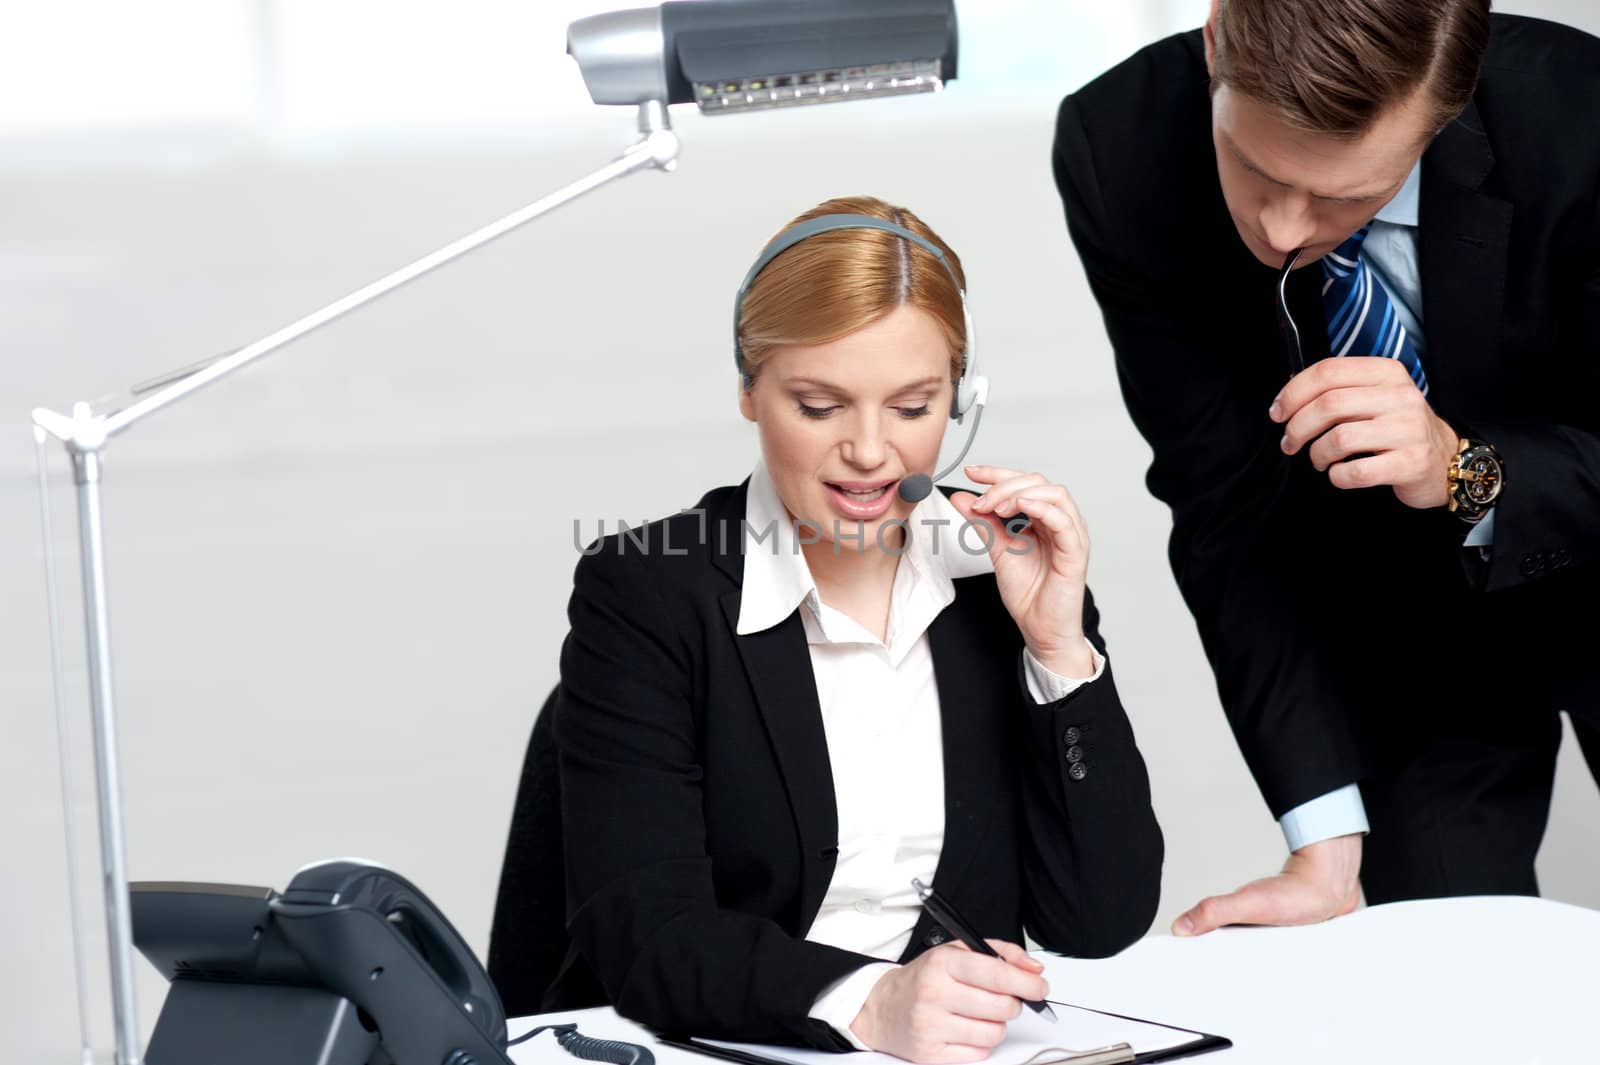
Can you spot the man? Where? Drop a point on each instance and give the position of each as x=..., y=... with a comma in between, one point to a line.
x=1392, y=638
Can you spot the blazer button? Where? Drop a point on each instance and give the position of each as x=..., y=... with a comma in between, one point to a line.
x=1078, y=771
x=935, y=938
x=1560, y=559
x=1071, y=736
x=1531, y=565
x=1074, y=754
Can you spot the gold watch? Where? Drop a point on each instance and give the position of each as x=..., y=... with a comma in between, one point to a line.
x=1474, y=480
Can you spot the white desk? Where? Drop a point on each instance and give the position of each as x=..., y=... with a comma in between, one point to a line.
x=1509, y=981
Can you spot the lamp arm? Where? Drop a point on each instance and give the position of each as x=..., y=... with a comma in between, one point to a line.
x=85, y=433
x=657, y=148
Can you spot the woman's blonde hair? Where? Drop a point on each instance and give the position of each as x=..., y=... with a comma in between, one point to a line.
x=838, y=281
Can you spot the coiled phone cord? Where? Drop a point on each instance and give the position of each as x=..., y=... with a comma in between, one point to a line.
x=582, y=1046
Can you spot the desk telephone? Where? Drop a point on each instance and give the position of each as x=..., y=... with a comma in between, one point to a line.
x=350, y=965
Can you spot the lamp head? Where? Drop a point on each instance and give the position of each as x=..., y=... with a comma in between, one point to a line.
x=744, y=55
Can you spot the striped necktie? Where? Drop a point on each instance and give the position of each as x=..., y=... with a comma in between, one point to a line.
x=1360, y=311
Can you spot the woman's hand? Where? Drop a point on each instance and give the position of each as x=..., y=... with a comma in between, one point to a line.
x=949, y=1005
x=1041, y=573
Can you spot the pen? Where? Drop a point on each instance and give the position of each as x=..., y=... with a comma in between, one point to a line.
x=951, y=922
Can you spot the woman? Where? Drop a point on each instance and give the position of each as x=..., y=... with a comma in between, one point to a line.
x=777, y=709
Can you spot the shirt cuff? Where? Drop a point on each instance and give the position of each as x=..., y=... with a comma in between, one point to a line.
x=841, y=1000
x=1048, y=687
x=1482, y=534
x=1338, y=813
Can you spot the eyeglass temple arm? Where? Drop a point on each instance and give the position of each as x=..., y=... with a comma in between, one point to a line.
x=1291, y=332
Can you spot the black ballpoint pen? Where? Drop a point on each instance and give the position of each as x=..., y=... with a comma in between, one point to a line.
x=951, y=922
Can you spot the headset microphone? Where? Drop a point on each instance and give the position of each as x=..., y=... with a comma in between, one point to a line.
x=918, y=486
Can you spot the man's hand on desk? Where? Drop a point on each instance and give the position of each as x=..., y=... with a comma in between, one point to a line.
x=949, y=1005
x=1318, y=881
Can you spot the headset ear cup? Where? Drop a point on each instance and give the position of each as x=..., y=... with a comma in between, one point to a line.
x=964, y=391
x=963, y=398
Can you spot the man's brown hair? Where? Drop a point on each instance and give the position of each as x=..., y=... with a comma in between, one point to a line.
x=1331, y=66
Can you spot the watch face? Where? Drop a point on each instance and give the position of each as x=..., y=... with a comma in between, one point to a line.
x=1484, y=485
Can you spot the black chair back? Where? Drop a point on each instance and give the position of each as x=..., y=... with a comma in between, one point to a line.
x=528, y=938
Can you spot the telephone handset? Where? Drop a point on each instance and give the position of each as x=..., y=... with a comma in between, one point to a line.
x=376, y=940
x=350, y=965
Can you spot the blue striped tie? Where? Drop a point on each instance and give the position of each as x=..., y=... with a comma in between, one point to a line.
x=1360, y=311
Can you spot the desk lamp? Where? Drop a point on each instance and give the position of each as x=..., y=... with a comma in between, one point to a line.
x=725, y=56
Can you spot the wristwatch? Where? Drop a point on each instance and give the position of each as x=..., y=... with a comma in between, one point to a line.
x=1475, y=478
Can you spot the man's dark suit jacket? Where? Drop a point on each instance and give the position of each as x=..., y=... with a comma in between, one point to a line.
x=699, y=815
x=1343, y=627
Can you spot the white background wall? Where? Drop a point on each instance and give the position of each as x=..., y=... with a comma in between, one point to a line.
x=338, y=580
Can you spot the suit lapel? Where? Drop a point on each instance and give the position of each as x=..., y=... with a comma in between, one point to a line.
x=1464, y=241
x=777, y=663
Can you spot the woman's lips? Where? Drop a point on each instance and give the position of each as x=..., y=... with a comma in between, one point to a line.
x=862, y=506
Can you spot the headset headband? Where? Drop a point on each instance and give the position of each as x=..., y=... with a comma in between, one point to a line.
x=829, y=222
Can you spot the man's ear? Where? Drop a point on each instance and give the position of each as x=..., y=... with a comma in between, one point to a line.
x=1210, y=34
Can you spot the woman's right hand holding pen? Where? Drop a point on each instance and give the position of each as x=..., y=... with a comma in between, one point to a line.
x=951, y=1004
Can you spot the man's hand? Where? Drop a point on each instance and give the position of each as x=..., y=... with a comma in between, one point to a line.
x=949, y=1005
x=1319, y=881
x=1370, y=425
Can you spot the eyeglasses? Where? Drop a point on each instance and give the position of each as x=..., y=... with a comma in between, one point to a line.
x=1291, y=332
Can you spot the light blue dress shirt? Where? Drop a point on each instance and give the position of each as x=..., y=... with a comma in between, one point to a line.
x=1391, y=251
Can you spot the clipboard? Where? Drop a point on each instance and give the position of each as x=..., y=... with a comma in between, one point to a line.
x=1107, y=1056
x=1202, y=1043
x=1122, y=1053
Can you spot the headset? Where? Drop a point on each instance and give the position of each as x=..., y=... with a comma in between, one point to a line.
x=972, y=390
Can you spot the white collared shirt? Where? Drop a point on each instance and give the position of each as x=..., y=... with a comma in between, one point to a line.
x=880, y=715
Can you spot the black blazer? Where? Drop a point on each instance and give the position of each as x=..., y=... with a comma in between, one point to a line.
x=1330, y=617
x=699, y=814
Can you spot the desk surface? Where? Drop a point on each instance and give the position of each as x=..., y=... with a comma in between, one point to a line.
x=1490, y=980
